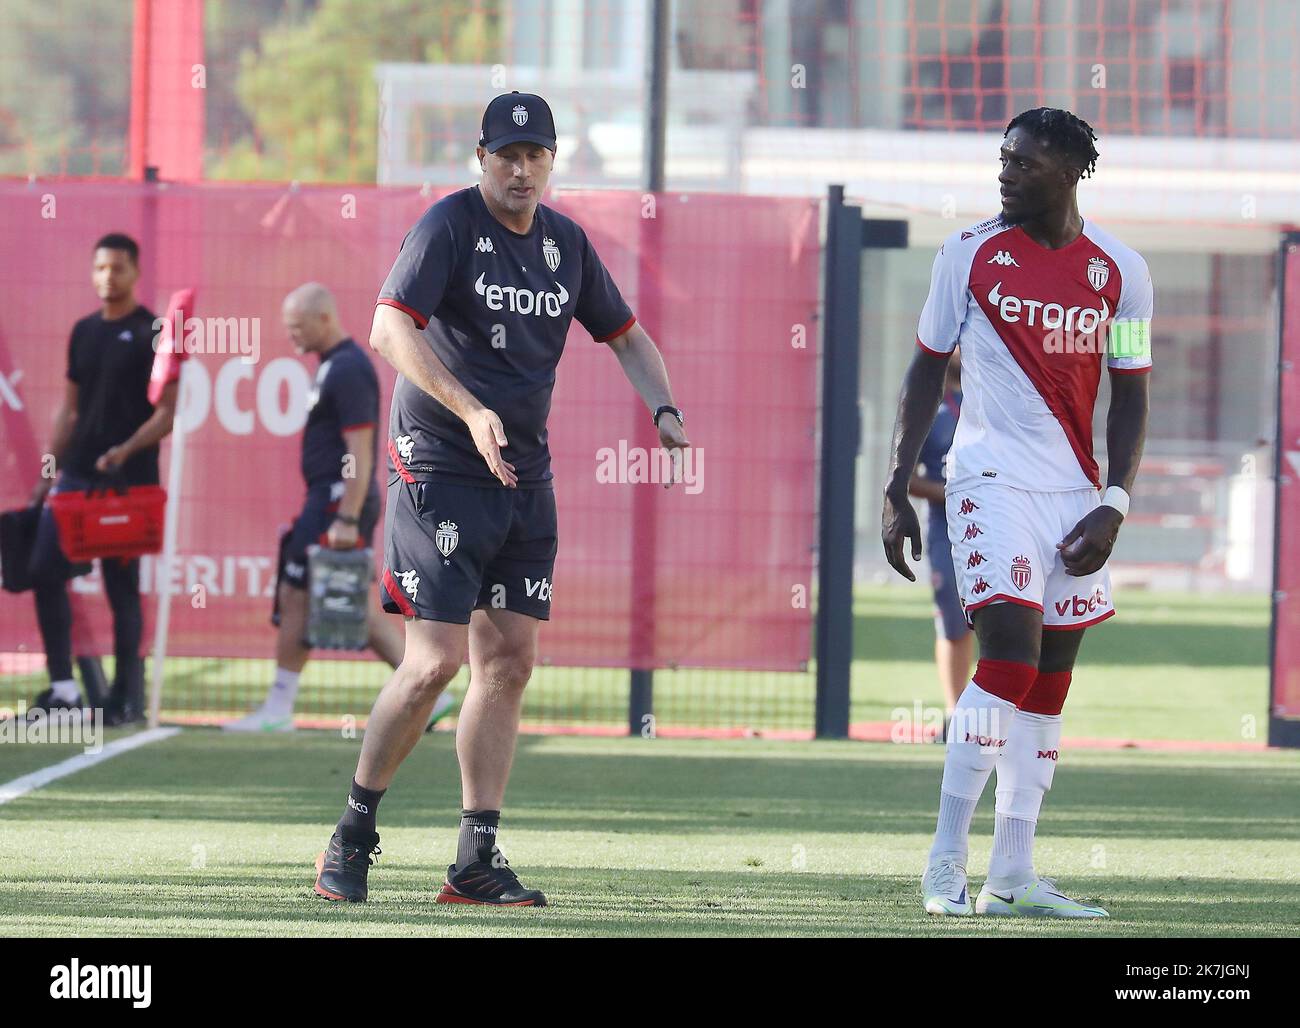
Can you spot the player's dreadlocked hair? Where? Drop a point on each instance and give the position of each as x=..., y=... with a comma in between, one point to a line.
x=1063, y=132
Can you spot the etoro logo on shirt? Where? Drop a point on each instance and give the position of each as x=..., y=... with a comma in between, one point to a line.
x=521, y=301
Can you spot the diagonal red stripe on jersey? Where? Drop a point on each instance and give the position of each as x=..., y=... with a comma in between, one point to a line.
x=1067, y=381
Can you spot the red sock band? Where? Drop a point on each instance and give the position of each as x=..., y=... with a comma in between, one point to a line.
x=1005, y=679
x=1047, y=696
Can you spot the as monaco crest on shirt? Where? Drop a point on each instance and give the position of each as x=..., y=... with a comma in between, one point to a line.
x=1098, y=272
x=551, y=252
x=1021, y=572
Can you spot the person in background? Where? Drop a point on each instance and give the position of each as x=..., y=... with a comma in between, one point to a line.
x=105, y=426
x=954, y=643
x=342, y=503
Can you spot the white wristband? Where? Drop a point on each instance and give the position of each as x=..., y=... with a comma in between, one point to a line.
x=1117, y=498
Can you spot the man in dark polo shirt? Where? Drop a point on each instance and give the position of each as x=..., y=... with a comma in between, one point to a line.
x=105, y=426
x=342, y=502
x=474, y=316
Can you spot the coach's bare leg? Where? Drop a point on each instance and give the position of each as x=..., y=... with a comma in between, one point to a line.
x=290, y=653
x=502, y=650
x=953, y=658
x=435, y=651
x=387, y=635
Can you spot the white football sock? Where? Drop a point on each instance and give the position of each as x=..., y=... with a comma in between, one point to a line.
x=1012, y=862
x=952, y=833
x=284, y=691
x=1025, y=772
x=65, y=689
x=978, y=723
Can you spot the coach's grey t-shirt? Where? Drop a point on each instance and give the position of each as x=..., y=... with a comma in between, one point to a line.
x=496, y=308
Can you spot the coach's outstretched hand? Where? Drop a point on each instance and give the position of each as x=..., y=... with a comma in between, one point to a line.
x=1089, y=543
x=672, y=437
x=897, y=524
x=490, y=436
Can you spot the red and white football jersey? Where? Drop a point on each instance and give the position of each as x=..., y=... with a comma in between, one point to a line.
x=1034, y=325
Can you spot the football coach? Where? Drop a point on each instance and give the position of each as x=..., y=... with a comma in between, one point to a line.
x=474, y=315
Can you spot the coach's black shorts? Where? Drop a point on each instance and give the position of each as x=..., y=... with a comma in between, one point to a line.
x=452, y=548
x=309, y=528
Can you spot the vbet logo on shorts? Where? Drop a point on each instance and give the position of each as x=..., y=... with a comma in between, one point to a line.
x=521, y=301
x=1077, y=606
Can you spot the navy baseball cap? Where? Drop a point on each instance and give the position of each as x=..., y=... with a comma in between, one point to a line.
x=517, y=118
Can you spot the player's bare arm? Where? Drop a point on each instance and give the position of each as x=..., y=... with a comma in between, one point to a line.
x=344, y=533
x=643, y=365
x=64, y=422
x=917, y=403
x=394, y=336
x=1090, y=542
x=925, y=488
x=151, y=433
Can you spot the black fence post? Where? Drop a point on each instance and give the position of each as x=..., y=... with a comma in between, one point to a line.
x=1282, y=731
x=840, y=432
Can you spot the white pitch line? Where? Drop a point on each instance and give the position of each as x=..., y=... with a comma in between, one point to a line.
x=24, y=784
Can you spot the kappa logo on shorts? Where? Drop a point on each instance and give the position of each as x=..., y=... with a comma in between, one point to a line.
x=1021, y=572
x=980, y=586
x=410, y=582
x=446, y=537
x=405, y=446
x=975, y=560
x=968, y=505
x=971, y=532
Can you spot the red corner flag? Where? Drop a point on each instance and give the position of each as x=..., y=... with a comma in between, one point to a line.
x=170, y=350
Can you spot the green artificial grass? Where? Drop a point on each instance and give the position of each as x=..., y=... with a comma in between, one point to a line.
x=207, y=834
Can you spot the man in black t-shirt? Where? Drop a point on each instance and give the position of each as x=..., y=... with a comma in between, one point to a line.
x=342, y=501
x=474, y=316
x=105, y=426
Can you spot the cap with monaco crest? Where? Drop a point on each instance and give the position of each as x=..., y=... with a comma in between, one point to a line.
x=517, y=118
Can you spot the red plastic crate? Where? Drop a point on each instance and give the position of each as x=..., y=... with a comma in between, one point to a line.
x=110, y=524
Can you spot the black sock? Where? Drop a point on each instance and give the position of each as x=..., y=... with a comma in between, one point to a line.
x=359, y=815
x=478, y=836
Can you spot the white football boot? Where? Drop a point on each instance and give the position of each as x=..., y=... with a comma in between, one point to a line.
x=442, y=706
x=944, y=889
x=263, y=719
x=1040, y=898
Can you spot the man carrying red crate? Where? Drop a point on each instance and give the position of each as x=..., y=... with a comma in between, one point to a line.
x=106, y=426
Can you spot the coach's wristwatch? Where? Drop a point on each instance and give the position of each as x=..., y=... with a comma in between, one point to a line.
x=347, y=519
x=669, y=409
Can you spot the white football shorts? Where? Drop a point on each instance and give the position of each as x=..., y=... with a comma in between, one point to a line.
x=1004, y=551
